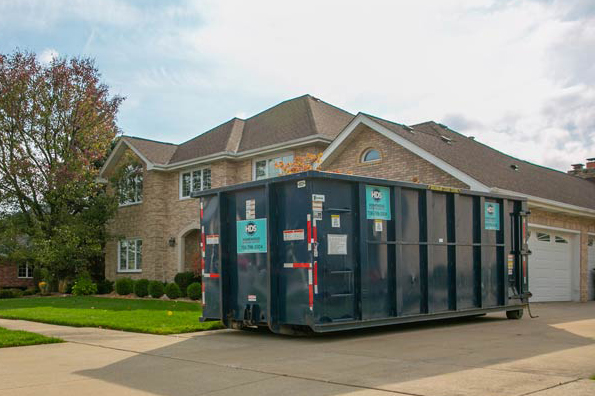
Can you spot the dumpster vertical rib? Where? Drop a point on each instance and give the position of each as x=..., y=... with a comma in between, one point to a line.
x=398, y=224
x=452, y=200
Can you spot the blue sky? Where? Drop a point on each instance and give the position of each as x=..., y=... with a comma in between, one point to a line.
x=518, y=75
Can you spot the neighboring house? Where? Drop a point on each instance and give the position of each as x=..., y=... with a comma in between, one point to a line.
x=159, y=226
x=15, y=275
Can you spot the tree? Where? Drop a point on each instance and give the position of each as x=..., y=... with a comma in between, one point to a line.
x=301, y=163
x=57, y=122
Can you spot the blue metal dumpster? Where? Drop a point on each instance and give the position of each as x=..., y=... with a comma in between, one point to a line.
x=325, y=252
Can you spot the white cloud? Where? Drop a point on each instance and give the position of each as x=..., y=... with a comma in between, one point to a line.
x=516, y=74
x=47, y=55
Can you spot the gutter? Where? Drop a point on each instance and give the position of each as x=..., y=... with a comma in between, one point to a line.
x=550, y=205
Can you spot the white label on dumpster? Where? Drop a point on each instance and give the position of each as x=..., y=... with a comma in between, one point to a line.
x=378, y=225
x=250, y=209
x=336, y=221
x=251, y=297
x=337, y=244
x=293, y=235
x=510, y=264
x=301, y=184
x=213, y=239
x=318, y=197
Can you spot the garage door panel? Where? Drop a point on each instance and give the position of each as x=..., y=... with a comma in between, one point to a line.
x=550, y=266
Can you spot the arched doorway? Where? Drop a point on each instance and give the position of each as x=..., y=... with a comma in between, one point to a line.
x=189, y=249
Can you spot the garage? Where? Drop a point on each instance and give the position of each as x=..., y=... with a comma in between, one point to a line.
x=550, y=265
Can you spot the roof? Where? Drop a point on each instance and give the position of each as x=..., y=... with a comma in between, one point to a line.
x=301, y=117
x=156, y=152
x=494, y=168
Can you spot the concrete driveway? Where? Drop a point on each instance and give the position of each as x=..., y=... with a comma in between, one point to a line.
x=551, y=355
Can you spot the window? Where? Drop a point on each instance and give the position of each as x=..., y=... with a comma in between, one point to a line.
x=25, y=270
x=130, y=255
x=131, y=186
x=371, y=155
x=591, y=241
x=265, y=167
x=559, y=239
x=543, y=237
x=194, y=180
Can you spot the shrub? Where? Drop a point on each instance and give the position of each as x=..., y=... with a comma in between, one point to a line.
x=37, y=276
x=194, y=291
x=155, y=289
x=183, y=279
x=141, y=288
x=124, y=286
x=10, y=293
x=84, y=287
x=105, y=286
x=30, y=291
x=172, y=290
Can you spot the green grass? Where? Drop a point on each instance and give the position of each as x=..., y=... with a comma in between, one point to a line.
x=13, y=338
x=142, y=316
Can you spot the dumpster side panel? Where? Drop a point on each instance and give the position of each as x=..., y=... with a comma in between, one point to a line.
x=210, y=256
x=292, y=256
x=248, y=248
x=336, y=245
x=409, y=269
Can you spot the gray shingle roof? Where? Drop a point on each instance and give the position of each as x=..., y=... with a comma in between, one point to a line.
x=494, y=168
x=292, y=119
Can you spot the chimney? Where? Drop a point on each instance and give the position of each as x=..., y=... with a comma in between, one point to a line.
x=581, y=171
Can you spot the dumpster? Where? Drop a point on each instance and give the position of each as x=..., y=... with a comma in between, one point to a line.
x=323, y=252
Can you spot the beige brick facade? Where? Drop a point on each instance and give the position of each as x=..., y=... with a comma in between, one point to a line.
x=163, y=215
x=396, y=163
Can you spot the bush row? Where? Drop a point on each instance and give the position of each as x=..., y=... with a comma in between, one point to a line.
x=156, y=289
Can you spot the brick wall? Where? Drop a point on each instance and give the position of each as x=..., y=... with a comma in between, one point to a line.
x=9, y=277
x=396, y=163
x=583, y=225
x=163, y=215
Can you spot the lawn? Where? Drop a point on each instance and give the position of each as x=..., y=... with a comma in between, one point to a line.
x=13, y=338
x=142, y=316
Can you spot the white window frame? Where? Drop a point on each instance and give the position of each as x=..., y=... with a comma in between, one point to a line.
x=202, y=180
x=135, y=269
x=267, y=158
x=28, y=271
x=362, y=158
x=138, y=194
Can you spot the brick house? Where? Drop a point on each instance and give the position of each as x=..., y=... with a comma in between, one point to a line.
x=15, y=275
x=157, y=223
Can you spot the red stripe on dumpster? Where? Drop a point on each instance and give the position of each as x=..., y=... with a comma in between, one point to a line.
x=201, y=212
x=316, y=277
x=310, y=290
x=309, y=228
x=211, y=275
x=315, y=237
x=296, y=265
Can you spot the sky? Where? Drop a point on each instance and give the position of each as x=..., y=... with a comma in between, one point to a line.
x=517, y=75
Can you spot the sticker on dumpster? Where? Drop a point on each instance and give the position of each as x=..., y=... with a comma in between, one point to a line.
x=252, y=297
x=337, y=244
x=377, y=203
x=213, y=239
x=510, y=264
x=336, y=221
x=250, y=209
x=378, y=225
x=301, y=184
x=318, y=197
x=293, y=235
x=252, y=236
x=492, y=216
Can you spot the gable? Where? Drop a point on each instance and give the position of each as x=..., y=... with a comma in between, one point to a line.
x=396, y=162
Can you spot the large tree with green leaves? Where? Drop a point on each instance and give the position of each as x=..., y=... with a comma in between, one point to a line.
x=57, y=122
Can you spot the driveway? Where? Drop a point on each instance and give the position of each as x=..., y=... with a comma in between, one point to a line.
x=551, y=355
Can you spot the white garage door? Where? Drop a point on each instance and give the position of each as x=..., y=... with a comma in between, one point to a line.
x=591, y=276
x=550, y=271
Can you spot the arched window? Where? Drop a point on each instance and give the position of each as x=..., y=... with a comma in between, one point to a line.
x=371, y=155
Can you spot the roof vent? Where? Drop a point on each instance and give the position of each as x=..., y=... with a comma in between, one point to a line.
x=514, y=167
x=472, y=137
x=446, y=139
x=577, y=166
